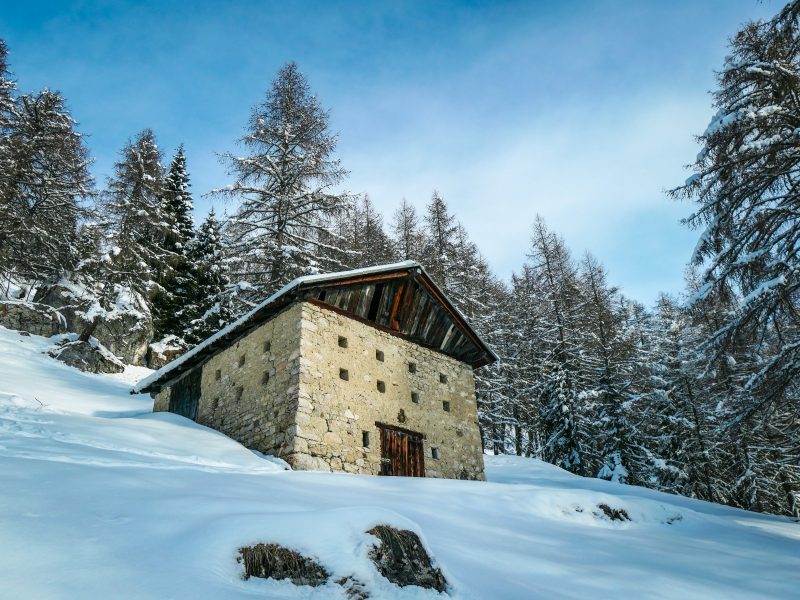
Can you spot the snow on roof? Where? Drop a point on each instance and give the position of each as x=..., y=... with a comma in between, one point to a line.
x=305, y=279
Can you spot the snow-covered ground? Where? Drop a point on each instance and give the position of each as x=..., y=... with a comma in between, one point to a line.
x=100, y=498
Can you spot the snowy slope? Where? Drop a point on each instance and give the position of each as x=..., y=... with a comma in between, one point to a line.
x=99, y=498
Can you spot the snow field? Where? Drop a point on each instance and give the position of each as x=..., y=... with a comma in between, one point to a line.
x=101, y=498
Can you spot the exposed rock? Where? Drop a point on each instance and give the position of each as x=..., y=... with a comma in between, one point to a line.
x=126, y=329
x=402, y=559
x=165, y=351
x=276, y=562
x=32, y=317
x=87, y=356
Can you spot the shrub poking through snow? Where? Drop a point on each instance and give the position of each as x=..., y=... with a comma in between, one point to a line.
x=615, y=514
x=276, y=562
x=402, y=559
x=353, y=588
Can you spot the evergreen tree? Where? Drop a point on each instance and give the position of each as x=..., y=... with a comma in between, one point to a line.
x=285, y=187
x=174, y=277
x=208, y=306
x=137, y=224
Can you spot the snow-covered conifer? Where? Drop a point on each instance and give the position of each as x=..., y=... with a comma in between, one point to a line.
x=285, y=186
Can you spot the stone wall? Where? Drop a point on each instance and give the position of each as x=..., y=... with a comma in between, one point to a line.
x=305, y=412
x=334, y=413
x=249, y=391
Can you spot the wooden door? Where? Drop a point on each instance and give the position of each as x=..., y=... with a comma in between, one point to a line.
x=184, y=396
x=401, y=452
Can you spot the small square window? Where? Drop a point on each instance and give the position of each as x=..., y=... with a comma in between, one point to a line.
x=342, y=342
x=365, y=439
x=379, y=355
x=415, y=397
x=381, y=387
x=344, y=374
x=442, y=378
x=218, y=375
x=412, y=367
x=267, y=346
x=435, y=453
x=265, y=378
x=446, y=406
x=241, y=360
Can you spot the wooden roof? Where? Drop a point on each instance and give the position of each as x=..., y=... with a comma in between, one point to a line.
x=400, y=299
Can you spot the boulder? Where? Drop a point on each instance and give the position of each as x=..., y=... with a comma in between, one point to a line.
x=126, y=328
x=90, y=356
x=165, y=351
x=35, y=318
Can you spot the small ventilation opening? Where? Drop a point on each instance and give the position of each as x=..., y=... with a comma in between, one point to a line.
x=435, y=453
x=265, y=378
x=446, y=406
x=379, y=355
x=442, y=378
x=239, y=393
x=412, y=367
x=218, y=375
x=344, y=374
x=267, y=346
x=342, y=342
x=382, y=387
x=365, y=439
x=415, y=397
x=242, y=360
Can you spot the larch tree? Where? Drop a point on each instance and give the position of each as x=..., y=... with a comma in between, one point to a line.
x=44, y=182
x=748, y=210
x=407, y=234
x=439, y=249
x=285, y=187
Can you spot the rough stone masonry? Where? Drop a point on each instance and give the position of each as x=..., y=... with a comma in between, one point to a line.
x=310, y=384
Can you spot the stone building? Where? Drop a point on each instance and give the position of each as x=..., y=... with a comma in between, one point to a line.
x=367, y=371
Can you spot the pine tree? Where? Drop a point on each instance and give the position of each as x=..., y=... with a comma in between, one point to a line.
x=285, y=186
x=208, y=306
x=174, y=277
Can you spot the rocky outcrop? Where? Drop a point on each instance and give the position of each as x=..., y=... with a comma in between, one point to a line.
x=126, y=328
x=90, y=356
x=31, y=317
x=165, y=351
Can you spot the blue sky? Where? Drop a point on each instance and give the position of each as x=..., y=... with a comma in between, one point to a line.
x=582, y=112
